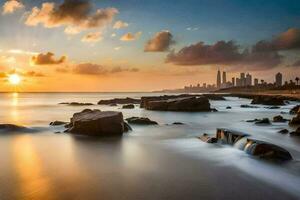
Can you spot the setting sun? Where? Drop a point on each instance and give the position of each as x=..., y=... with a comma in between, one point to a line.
x=14, y=79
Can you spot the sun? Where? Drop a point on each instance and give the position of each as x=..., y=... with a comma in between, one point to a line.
x=14, y=79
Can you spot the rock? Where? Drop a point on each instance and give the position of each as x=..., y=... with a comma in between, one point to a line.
x=57, y=123
x=279, y=118
x=185, y=104
x=295, y=120
x=227, y=136
x=127, y=127
x=126, y=100
x=248, y=106
x=178, y=123
x=228, y=107
x=215, y=97
x=295, y=110
x=128, y=106
x=273, y=107
x=208, y=139
x=76, y=104
x=12, y=127
x=283, y=131
x=253, y=120
x=141, y=121
x=113, y=104
x=268, y=100
x=264, y=121
x=97, y=123
x=296, y=132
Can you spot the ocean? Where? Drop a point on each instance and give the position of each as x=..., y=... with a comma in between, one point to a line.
x=151, y=162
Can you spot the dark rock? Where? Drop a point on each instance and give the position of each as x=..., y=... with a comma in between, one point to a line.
x=185, y=104
x=128, y=106
x=227, y=136
x=119, y=101
x=228, y=107
x=127, y=127
x=215, y=97
x=113, y=104
x=283, y=131
x=264, y=121
x=12, y=127
x=178, y=123
x=268, y=100
x=273, y=107
x=295, y=110
x=76, y=104
x=279, y=118
x=253, y=120
x=141, y=121
x=296, y=132
x=208, y=139
x=57, y=123
x=97, y=123
x=295, y=120
x=57, y=132
x=248, y=106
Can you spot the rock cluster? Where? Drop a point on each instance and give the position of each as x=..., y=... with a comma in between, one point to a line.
x=119, y=101
x=141, y=121
x=268, y=100
x=76, y=104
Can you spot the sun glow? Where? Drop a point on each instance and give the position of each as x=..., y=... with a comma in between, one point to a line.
x=14, y=79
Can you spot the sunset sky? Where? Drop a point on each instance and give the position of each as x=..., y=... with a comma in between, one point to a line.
x=144, y=45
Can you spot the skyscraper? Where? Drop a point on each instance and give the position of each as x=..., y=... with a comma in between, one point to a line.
x=219, y=79
x=233, y=81
x=224, y=78
x=243, y=79
x=248, y=80
x=256, y=82
x=278, y=79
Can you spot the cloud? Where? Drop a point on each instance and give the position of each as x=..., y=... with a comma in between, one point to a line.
x=47, y=59
x=225, y=53
x=130, y=36
x=33, y=74
x=96, y=69
x=11, y=6
x=20, y=51
x=3, y=75
x=160, y=42
x=75, y=15
x=120, y=24
x=92, y=37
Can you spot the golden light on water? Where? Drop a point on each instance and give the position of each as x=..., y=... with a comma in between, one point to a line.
x=14, y=79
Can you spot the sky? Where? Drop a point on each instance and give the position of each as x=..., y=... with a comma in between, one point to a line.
x=144, y=45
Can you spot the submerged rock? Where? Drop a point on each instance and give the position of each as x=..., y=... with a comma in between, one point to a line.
x=12, y=127
x=128, y=106
x=126, y=100
x=268, y=100
x=295, y=120
x=76, y=104
x=178, y=123
x=295, y=110
x=264, y=121
x=208, y=139
x=185, y=104
x=141, y=121
x=57, y=123
x=279, y=118
x=248, y=106
x=283, y=131
x=296, y=132
x=215, y=97
x=273, y=107
x=97, y=123
x=228, y=107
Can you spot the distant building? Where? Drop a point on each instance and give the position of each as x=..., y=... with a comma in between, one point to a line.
x=224, y=78
x=242, y=79
x=238, y=82
x=278, y=79
x=248, y=80
x=219, y=79
x=256, y=82
x=233, y=81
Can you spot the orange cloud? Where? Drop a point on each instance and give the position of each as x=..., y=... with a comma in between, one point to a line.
x=130, y=36
x=96, y=69
x=120, y=24
x=47, y=59
x=92, y=37
x=160, y=42
x=75, y=15
x=11, y=6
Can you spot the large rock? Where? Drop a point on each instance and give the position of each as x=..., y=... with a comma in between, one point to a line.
x=141, y=121
x=296, y=132
x=97, y=123
x=279, y=118
x=268, y=100
x=186, y=104
x=126, y=100
x=295, y=120
x=12, y=127
x=295, y=110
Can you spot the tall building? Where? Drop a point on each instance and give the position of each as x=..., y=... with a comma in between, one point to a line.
x=248, y=80
x=242, y=79
x=233, y=81
x=238, y=82
x=278, y=79
x=256, y=82
x=219, y=79
x=224, y=78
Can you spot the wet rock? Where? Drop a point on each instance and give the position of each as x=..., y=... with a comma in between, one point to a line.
x=113, y=104
x=283, y=131
x=208, y=139
x=253, y=120
x=76, y=104
x=126, y=100
x=273, y=107
x=295, y=110
x=185, y=104
x=295, y=120
x=178, y=123
x=279, y=118
x=264, y=121
x=227, y=136
x=215, y=97
x=12, y=127
x=141, y=121
x=296, y=132
x=97, y=123
x=268, y=100
x=128, y=106
x=127, y=127
x=57, y=123
x=248, y=106
x=228, y=107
